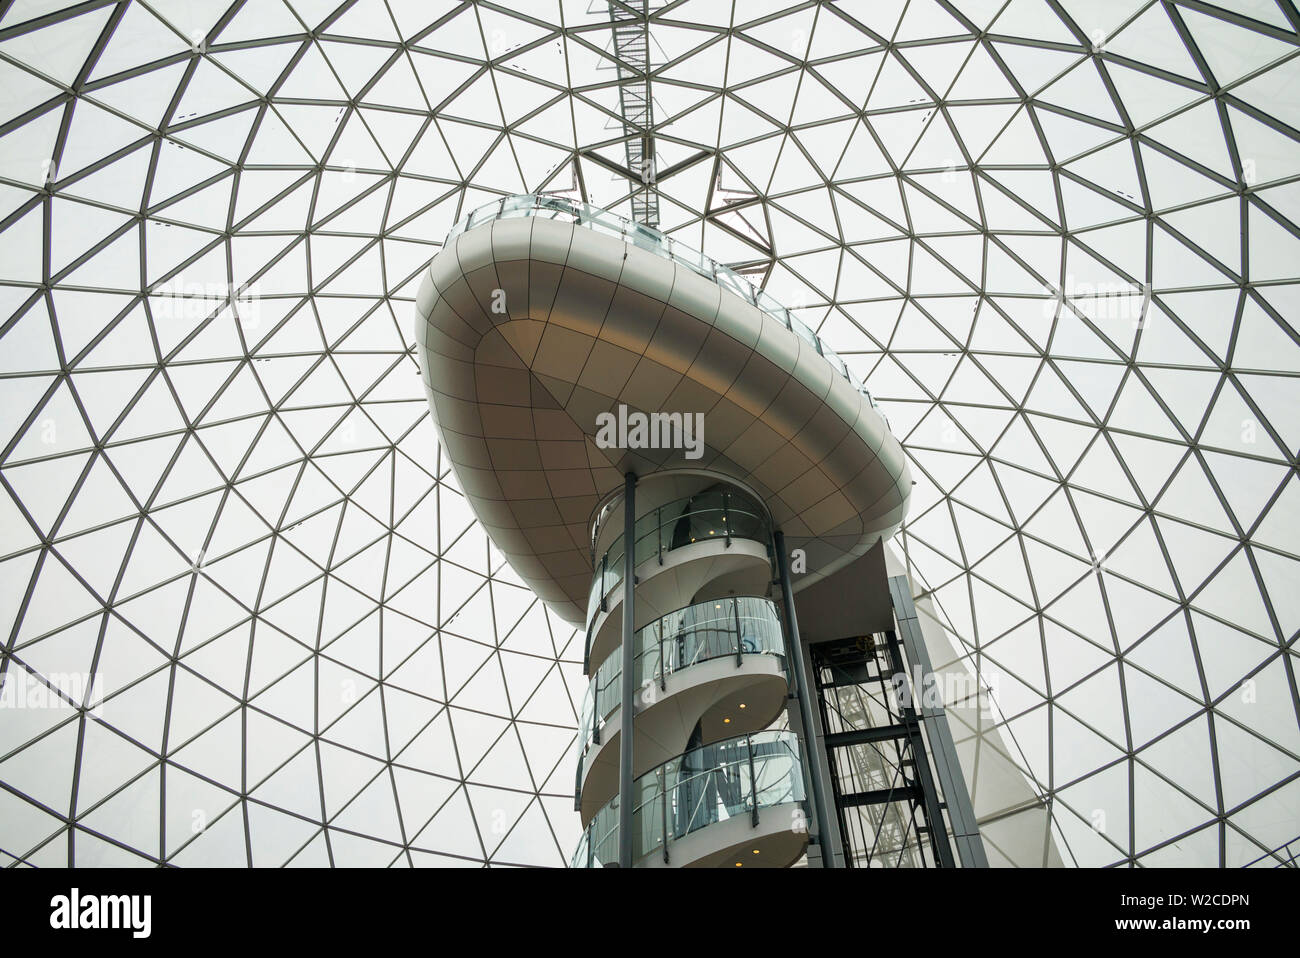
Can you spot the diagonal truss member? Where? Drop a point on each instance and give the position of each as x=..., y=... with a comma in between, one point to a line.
x=631, y=28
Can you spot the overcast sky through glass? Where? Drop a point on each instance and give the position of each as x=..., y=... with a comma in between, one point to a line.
x=1058, y=241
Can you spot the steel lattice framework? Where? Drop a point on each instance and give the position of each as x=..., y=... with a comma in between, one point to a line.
x=248, y=617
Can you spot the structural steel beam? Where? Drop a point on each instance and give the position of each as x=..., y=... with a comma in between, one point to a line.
x=795, y=657
x=947, y=769
x=628, y=680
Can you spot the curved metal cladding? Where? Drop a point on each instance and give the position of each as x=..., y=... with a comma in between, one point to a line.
x=529, y=328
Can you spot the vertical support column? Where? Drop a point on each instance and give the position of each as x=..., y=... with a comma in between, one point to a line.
x=753, y=782
x=663, y=807
x=628, y=681
x=911, y=721
x=961, y=813
x=794, y=655
x=843, y=835
x=740, y=646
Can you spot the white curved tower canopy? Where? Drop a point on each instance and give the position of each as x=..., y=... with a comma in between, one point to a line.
x=546, y=346
x=1059, y=241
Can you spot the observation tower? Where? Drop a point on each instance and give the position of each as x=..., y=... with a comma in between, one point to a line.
x=671, y=460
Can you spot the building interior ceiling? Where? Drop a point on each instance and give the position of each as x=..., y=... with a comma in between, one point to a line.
x=246, y=615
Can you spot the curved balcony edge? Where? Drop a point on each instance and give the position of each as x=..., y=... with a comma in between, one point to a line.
x=701, y=572
x=837, y=480
x=724, y=627
x=743, y=792
x=654, y=241
x=719, y=512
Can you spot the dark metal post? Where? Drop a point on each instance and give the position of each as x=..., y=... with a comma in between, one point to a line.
x=663, y=801
x=740, y=648
x=947, y=767
x=663, y=670
x=911, y=717
x=577, y=786
x=753, y=782
x=628, y=681
x=794, y=655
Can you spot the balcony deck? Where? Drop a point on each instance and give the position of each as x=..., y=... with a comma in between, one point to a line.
x=534, y=321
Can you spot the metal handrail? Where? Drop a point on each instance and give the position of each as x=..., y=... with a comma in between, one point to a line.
x=759, y=752
x=645, y=237
x=602, y=695
x=608, y=575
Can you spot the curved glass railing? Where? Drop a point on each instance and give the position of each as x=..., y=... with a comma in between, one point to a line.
x=733, y=626
x=651, y=240
x=735, y=777
x=716, y=513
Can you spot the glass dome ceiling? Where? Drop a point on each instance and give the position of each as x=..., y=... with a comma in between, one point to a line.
x=1058, y=241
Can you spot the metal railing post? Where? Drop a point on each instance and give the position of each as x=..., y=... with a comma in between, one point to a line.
x=740, y=646
x=577, y=785
x=794, y=654
x=753, y=782
x=663, y=678
x=625, y=766
x=663, y=802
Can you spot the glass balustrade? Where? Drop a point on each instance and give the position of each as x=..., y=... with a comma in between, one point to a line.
x=715, y=513
x=736, y=777
x=734, y=626
x=651, y=240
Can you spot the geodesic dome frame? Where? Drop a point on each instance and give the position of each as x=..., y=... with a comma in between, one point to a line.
x=250, y=618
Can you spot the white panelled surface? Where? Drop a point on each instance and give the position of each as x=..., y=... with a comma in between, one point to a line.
x=247, y=616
